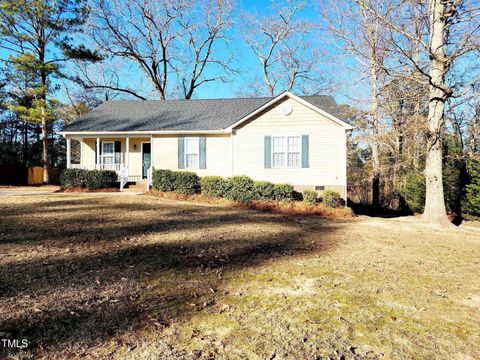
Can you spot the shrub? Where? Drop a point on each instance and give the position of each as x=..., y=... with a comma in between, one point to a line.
x=414, y=192
x=181, y=182
x=239, y=188
x=283, y=192
x=163, y=180
x=331, y=198
x=263, y=190
x=309, y=196
x=186, y=183
x=213, y=186
x=90, y=179
x=472, y=195
x=100, y=179
x=72, y=178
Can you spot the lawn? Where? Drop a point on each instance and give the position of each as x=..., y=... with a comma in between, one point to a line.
x=137, y=277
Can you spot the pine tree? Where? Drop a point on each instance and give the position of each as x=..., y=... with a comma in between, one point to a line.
x=37, y=35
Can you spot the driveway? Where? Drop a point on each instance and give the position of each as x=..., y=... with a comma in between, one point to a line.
x=27, y=190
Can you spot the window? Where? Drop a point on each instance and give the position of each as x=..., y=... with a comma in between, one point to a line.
x=286, y=151
x=191, y=153
x=107, y=152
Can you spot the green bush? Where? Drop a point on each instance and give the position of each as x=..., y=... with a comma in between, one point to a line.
x=181, y=182
x=309, y=196
x=89, y=179
x=264, y=190
x=331, y=198
x=239, y=188
x=72, y=178
x=213, y=186
x=414, y=192
x=283, y=192
x=100, y=179
x=163, y=180
x=471, y=201
x=186, y=183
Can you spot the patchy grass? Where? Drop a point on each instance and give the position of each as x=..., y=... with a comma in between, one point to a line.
x=138, y=277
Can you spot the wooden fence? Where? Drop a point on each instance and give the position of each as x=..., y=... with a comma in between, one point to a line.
x=21, y=175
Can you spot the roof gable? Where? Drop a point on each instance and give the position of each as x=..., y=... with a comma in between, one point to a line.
x=173, y=116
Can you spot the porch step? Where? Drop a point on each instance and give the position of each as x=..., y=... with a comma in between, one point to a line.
x=138, y=187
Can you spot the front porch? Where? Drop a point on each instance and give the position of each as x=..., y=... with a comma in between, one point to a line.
x=129, y=157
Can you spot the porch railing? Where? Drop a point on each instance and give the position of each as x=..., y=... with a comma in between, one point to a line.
x=114, y=167
x=149, y=177
x=123, y=176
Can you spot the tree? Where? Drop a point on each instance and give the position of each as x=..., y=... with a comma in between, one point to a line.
x=36, y=35
x=165, y=39
x=450, y=32
x=281, y=44
x=363, y=36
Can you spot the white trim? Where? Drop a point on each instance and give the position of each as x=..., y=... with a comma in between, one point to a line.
x=141, y=154
x=127, y=151
x=98, y=151
x=286, y=152
x=301, y=101
x=102, y=155
x=185, y=153
x=69, y=152
x=151, y=132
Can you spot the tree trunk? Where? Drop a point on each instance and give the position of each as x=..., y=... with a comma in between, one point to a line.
x=375, y=150
x=435, y=211
x=45, y=157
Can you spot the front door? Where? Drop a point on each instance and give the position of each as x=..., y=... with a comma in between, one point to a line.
x=146, y=158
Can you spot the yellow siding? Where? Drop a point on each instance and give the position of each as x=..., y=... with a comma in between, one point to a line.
x=135, y=162
x=88, y=153
x=135, y=156
x=326, y=151
x=218, y=154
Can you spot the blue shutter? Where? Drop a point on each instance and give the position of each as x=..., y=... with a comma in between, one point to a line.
x=181, y=152
x=267, y=152
x=305, y=146
x=203, y=152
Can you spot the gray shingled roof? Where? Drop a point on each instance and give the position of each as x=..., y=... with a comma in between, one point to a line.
x=179, y=115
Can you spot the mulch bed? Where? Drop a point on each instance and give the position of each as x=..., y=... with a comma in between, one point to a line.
x=278, y=207
x=82, y=190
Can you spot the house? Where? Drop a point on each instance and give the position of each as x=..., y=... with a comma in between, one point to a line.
x=284, y=139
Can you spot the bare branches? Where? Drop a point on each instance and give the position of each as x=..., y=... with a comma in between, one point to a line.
x=281, y=43
x=168, y=39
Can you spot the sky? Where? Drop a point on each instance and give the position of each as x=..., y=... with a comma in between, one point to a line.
x=247, y=76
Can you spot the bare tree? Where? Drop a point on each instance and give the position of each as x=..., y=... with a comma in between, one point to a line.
x=167, y=39
x=363, y=35
x=281, y=43
x=451, y=32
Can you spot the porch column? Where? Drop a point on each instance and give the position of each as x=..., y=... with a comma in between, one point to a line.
x=127, y=153
x=151, y=150
x=98, y=153
x=69, y=152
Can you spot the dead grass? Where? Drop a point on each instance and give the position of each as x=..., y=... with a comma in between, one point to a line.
x=286, y=208
x=141, y=277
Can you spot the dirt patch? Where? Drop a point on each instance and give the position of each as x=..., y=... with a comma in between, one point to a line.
x=133, y=277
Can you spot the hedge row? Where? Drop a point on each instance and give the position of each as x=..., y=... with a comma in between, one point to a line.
x=88, y=179
x=182, y=182
x=236, y=188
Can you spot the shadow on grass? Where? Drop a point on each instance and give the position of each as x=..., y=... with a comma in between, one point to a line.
x=121, y=274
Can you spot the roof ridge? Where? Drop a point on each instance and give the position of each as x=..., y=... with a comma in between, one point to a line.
x=212, y=99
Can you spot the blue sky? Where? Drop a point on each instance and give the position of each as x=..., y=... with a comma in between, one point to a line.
x=333, y=66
